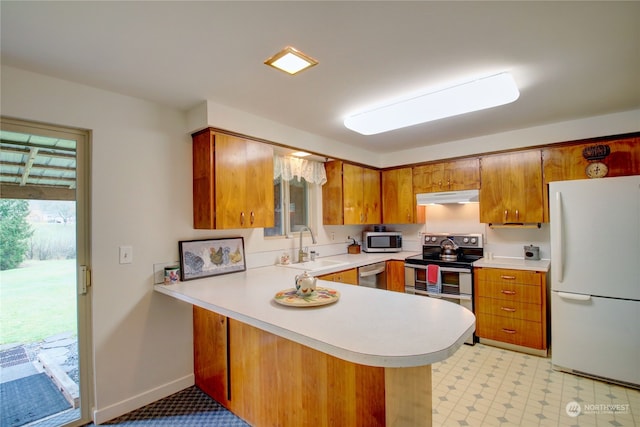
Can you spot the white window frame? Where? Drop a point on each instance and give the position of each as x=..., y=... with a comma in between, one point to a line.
x=312, y=195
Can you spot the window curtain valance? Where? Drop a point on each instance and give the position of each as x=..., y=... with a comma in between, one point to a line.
x=290, y=167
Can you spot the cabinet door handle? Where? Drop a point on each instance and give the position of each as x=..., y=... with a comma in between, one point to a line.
x=508, y=277
x=509, y=331
x=517, y=215
x=241, y=218
x=506, y=214
x=253, y=217
x=507, y=292
x=509, y=309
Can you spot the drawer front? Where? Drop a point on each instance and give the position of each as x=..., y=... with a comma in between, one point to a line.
x=510, y=292
x=505, y=276
x=512, y=331
x=509, y=309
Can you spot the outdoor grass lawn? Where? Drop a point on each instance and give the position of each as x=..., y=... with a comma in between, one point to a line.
x=37, y=300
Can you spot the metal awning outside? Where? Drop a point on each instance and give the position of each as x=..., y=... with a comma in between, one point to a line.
x=37, y=167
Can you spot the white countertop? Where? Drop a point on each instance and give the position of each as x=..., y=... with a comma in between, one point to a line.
x=366, y=326
x=514, y=263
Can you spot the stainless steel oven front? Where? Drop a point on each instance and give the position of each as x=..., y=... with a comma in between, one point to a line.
x=457, y=285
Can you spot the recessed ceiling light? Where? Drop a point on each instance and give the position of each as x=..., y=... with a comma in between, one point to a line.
x=291, y=60
x=423, y=107
x=301, y=154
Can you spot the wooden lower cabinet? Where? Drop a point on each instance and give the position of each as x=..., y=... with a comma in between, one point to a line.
x=210, y=354
x=395, y=275
x=268, y=380
x=511, y=307
x=350, y=277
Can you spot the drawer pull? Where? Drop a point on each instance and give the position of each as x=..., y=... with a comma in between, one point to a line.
x=507, y=292
x=509, y=331
x=508, y=277
x=509, y=309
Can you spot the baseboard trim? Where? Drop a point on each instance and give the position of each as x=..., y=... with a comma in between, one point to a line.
x=514, y=347
x=125, y=406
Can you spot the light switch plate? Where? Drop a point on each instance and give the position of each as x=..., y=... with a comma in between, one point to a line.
x=126, y=254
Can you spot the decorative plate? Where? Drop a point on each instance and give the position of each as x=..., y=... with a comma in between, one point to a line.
x=321, y=296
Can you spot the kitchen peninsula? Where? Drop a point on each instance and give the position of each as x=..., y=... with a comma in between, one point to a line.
x=364, y=360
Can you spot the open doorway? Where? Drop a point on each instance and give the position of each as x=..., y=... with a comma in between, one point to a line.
x=44, y=276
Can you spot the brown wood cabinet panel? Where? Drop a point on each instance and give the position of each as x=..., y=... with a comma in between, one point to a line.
x=395, y=275
x=203, y=181
x=510, y=309
x=278, y=382
x=512, y=331
x=351, y=195
x=350, y=277
x=210, y=361
x=566, y=162
x=371, y=196
x=463, y=174
x=507, y=276
x=332, y=212
x=511, y=190
x=398, y=201
x=427, y=178
x=509, y=291
x=232, y=182
x=511, y=306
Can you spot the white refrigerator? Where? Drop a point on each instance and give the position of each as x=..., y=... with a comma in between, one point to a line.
x=595, y=277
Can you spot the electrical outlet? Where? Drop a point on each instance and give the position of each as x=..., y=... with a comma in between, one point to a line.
x=126, y=254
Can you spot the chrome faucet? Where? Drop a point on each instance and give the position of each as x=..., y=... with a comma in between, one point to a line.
x=301, y=253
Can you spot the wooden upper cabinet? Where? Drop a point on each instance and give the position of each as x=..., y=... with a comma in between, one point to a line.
x=566, y=162
x=232, y=182
x=398, y=200
x=463, y=174
x=511, y=189
x=351, y=195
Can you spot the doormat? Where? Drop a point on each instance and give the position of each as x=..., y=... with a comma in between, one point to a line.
x=13, y=356
x=29, y=399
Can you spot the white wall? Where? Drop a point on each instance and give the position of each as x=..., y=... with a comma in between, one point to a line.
x=501, y=242
x=140, y=189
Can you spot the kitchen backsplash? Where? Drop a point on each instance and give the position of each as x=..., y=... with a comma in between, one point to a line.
x=503, y=242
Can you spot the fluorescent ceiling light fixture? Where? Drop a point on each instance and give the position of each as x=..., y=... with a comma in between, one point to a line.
x=301, y=154
x=291, y=60
x=476, y=95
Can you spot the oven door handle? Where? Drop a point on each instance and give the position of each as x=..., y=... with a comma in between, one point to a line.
x=444, y=269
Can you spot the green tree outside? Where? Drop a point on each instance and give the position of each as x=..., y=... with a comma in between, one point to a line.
x=14, y=232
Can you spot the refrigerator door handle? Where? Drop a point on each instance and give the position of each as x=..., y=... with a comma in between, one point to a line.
x=557, y=244
x=575, y=297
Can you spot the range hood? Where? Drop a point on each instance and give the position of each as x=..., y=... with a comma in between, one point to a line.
x=447, y=197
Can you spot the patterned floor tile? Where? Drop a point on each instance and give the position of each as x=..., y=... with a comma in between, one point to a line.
x=487, y=386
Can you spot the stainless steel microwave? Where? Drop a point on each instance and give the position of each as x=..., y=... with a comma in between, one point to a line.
x=381, y=241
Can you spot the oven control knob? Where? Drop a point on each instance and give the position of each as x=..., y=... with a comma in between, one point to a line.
x=434, y=238
x=465, y=240
x=473, y=240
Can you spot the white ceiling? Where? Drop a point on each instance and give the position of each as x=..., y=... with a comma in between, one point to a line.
x=570, y=59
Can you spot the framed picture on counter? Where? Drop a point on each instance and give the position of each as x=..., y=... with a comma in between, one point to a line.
x=211, y=257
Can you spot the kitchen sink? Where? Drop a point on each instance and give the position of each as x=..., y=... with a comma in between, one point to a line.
x=318, y=264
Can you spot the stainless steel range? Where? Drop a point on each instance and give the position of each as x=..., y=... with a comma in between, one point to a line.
x=444, y=270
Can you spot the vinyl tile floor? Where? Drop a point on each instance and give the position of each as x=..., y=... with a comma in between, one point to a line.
x=483, y=386
x=479, y=386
